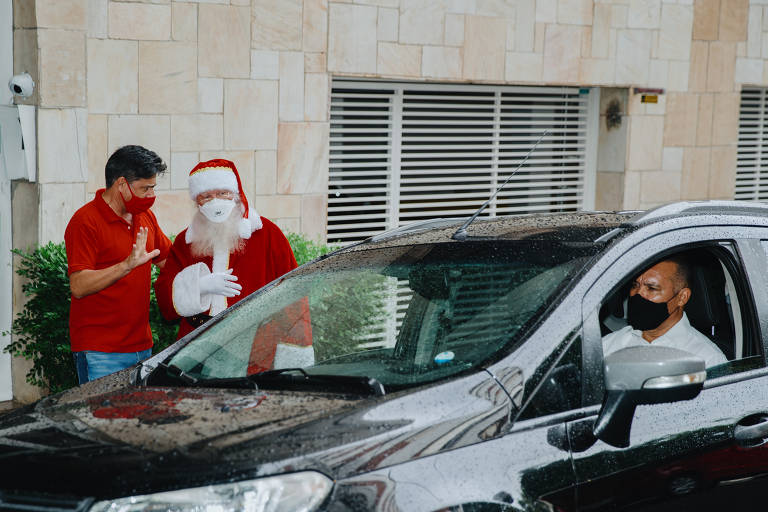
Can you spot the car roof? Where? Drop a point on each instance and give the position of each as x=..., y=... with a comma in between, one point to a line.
x=585, y=227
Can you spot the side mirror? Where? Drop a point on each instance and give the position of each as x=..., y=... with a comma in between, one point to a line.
x=644, y=375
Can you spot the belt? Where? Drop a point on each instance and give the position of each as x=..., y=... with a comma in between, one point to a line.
x=198, y=320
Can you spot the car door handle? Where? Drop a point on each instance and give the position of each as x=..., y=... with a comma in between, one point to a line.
x=752, y=431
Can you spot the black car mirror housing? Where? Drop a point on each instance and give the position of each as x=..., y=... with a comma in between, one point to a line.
x=644, y=375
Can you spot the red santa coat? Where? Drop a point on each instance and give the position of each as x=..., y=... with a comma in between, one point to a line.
x=265, y=256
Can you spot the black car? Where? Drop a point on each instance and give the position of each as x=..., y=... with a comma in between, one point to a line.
x=449, y=371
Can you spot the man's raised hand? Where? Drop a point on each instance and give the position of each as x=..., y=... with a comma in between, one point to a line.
x=139, y=254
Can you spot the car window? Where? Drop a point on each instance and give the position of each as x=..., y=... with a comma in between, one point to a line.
x=719, y=306
x=401, y=315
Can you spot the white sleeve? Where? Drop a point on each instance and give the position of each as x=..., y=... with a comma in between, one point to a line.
x=186, y=290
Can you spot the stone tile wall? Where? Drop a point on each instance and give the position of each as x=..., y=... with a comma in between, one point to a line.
x=251, y=79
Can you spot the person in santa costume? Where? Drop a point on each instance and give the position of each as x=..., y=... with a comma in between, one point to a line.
x=227, y=252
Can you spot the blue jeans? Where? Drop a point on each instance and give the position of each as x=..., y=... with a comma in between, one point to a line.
x=92, y=365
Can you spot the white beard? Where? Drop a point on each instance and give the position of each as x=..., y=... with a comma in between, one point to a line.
x=210, y=237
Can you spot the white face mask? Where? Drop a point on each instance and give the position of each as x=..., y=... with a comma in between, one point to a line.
x=217, y=210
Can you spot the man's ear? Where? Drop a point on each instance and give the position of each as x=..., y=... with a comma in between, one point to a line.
x=683, y=296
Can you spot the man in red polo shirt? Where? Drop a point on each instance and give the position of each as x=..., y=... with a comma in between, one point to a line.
x=111, y=244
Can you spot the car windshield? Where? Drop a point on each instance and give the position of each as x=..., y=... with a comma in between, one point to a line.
x=401, y=315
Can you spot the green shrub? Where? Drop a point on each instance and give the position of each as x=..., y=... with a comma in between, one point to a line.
x=41, y=329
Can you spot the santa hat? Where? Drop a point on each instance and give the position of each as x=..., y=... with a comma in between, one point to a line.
x=220, y=174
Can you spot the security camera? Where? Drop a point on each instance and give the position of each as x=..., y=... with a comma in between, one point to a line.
x=21, y=84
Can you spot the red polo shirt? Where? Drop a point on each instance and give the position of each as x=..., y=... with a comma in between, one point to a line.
x=116, y=319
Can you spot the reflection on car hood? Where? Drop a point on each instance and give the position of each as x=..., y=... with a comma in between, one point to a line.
x=107, y=440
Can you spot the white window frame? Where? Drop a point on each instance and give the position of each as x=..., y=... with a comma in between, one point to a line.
x=390, y=179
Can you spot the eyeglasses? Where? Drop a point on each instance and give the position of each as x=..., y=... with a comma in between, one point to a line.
x=204, y=197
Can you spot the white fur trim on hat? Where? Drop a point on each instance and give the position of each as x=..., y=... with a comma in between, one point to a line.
x=212, y=178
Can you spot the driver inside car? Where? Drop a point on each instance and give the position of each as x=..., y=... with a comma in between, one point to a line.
x=655, y=312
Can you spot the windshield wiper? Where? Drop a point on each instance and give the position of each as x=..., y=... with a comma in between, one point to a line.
x=287, y=379
x=178, y=374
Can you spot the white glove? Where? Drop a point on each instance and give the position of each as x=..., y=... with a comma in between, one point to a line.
x=220, y=283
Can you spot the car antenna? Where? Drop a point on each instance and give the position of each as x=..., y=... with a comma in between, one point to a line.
x=461, y=233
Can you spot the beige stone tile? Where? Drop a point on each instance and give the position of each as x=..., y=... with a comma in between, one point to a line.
x=441, y=62
x=612, y=147
x=314, y=216
x=484, y=48
x=765, y=74
x=597, y=71
x=497, y=8
x=680, y=121
x=721, y=67
x=277, y=25
x=210, y=95
x=546, y=11
x=601, y=31
x=704, y=120
x=113, y=77
x=619, y=15
x=609, y=191
x=61, y=145
x=540, y=33
x=706, y=19
x=421, y=22
x=62, y=68
x=152, y=132
x=510, y=45
x=315, y=63
x=695, y=174
x=748, y=71
x=291, y=94
x=764, y=50
x=244, y=163
x=454, y=29
x=675, y=33
x=722, y=172
x=167, y=78
x=352, y=38
x=58, y=202
x=224, y=53
x=645, y=143
x=754, y=32
x=265, y=65
x=678, y=75
x=398, y=59
x=97, y=151
x=672, y=159
x=644, y=14
x=631, y=190
x=184, y=21
x=392, y=4
x=24, y=14
x=70, y=15
x=278, y=206
x=386, y=26
x=98, y=18
x=306, y=171
x=765, y=18
x=525, y=30
x=575, y=12
x=725, y=119
x=586, y=41
x=561, y=53
x=25, y=59
x=315, y=27
x=173, y=209
x=659, y=187
x=250, y=114
x=733, y=20
x=316, y=96
x=288, y=225
x=182, y=162
x=741, y=49
x=196, y=132
x=265, y=165
x=659, y=73
x=699, y=62
x=633, y=56
x=139, y=21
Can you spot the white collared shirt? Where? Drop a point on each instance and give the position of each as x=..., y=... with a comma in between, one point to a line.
x=681, y=336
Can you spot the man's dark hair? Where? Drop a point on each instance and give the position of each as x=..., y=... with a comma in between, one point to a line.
x=133, y=163
x=683, y=274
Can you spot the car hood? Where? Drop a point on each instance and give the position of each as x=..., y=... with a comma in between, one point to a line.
x=109, y=438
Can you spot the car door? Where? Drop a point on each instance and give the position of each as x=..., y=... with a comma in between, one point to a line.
x=708, y=452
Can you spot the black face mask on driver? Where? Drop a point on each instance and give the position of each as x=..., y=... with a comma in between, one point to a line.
x=645, y=315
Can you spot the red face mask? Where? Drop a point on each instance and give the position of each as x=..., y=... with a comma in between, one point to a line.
x=137, y=204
